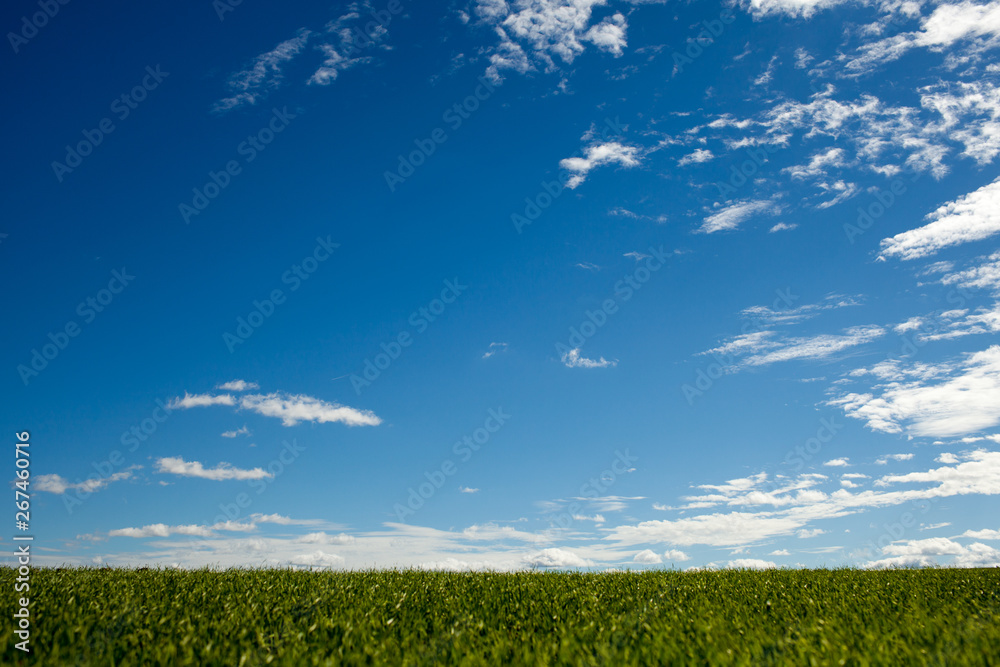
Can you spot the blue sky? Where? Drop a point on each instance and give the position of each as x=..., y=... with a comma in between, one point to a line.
x=542, y=283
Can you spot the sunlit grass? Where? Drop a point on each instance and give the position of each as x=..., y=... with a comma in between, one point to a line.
x=283, y=617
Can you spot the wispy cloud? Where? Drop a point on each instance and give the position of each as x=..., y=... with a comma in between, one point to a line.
x=733, y=215
x=290, y=408
x=973, y=217
x=597, y=155
x=237, y=385
x=883, y=460
x=574, y=359
x=264, y=74
x=788, y=506
x=223, y=471
x=200, y=401
x=696, y=157
x=763, y=348
x=59, y=485
x=495, y=348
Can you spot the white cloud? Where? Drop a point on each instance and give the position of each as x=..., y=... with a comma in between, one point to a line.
x=984, y=276
x=807, y=533
x=788, y=315
x=949, y=23
x=597, y=155
x=535, y=33
x=163, y=530
x=878, y=137
x=973, y=217
x=978, y=473
x=223, y=471
x=936, y=526
x=282, y=520
x=573, y=359
x=925, y=553
x=985, y=534
x=750, y=564
x=337, y=60
x=290, y=408
x=264, y=74
x=841, y=190
x=609, y=35
x=555, y=558
x=934, y=546
x=782, y=226
x=324, y=538
x=237, y=385
x=316, y=560
x=243, y=430
x=200, y=401
x=735, y=214
x=799, y=8
x=717, y=529
x=780, y=552
x=789, y=506
x=495, y=348
x=965, y=401
x=647, y=557
x=883, y=460
x=698, y=156
x=764, y=348
x=837, y=463
x=819, y=164
x=466, y=489
x=676, y=555
x=59, y=485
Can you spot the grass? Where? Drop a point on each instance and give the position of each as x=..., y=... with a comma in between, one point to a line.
x=281, y=617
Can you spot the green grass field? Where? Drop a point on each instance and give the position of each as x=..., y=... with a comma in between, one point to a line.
x=280, y=617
